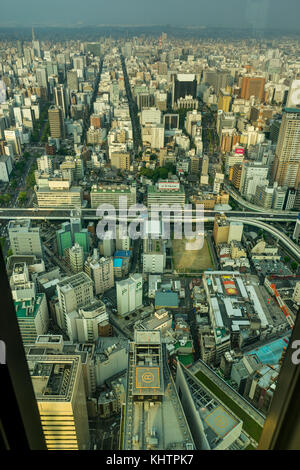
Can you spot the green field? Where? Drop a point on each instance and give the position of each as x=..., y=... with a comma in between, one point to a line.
x=189, y=261
x=249, y=425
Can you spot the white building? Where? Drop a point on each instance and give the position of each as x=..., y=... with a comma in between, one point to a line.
x=82, y=324
x=24, y=239
x=235, y=231
x=129, y=294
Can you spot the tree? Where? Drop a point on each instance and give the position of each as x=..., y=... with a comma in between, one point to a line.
x=30, y=180
x=22, y=196
x=294, y=266
x=287, y=259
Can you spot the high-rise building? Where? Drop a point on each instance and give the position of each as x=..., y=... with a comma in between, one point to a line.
x=64, y=239
x=73, y=292
x=60, y=98
x=221, y=229
x=253, y=86
x=32, y=316
x=224, y=100
x=129, y=294
x=101, y=272
x=153, y=417
x=72, y=80
x=24, y=239
x=56, y=122
x=59, y=390
x=41, y=77
x=75, y=257
x=286, y=167
x=184, y=85
x=83, y=324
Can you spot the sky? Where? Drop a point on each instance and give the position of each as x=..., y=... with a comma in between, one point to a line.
x=275, y=14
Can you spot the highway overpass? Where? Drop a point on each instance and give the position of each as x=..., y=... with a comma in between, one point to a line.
x=91, y=214
x=249, y=218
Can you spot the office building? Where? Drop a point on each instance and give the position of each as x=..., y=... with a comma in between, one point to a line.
x=184, y=85
x=59, y=193
x=264, y=197
x=129, y=294
x=120, y=160
x=166, y=192
x=59, y=390
x=111, y=194
x=253, y=86
x=153, y=418
x=24, y=239
x=56, y=122
x=64, y=239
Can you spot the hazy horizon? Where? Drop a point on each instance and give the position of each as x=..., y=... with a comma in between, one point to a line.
x=258, y=14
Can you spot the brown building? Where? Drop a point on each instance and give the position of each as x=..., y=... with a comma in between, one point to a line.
x=50, y=149
x=236, y=175
x=56, y=122
x=95, y=121
x=221, y=229
x=120, y=160
x=253, y=86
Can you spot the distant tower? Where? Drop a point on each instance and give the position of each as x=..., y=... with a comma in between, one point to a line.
x=33, y=36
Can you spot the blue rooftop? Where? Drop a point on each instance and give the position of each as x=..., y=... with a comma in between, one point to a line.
x=118, y=262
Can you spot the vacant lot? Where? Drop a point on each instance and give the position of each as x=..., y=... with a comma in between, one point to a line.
x=189, y=260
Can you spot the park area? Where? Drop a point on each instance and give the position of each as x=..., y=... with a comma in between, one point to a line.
x=186, y=260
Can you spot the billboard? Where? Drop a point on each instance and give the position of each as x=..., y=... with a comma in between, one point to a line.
x=239, y=150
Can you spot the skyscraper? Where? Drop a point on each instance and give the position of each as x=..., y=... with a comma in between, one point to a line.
x=184, y=85
x=60, y=98
x=286, y=168
x=56, y=121
x=253, y=86
x=59, y=390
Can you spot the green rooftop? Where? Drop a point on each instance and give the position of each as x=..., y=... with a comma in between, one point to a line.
x=28, y=308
